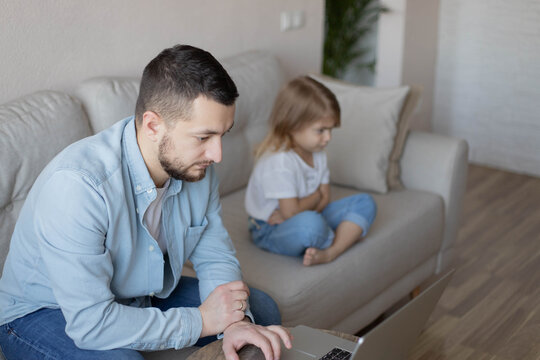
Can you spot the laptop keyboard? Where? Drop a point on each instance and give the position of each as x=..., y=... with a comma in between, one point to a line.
x=337, y=354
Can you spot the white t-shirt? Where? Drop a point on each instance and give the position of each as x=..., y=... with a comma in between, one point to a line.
x=152, y=217
x=283, y=175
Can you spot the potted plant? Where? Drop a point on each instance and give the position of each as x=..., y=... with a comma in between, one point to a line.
x=347, y=22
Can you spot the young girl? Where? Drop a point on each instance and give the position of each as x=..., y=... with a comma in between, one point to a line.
x=288, y=193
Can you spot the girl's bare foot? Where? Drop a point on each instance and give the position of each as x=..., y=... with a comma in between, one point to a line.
x=314, y=256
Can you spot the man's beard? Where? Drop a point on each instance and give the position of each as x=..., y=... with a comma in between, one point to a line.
x=175, y=168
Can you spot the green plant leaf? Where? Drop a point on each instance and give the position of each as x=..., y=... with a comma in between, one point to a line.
x=347, y=22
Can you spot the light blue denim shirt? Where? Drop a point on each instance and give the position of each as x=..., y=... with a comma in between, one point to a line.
x=80, y=245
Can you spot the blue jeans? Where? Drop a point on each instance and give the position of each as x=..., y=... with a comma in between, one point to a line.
x=312, y=229
x=41, y=334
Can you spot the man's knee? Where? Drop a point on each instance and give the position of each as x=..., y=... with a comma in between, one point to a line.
x=118, y=354
x=264, y=308
x=15, y=347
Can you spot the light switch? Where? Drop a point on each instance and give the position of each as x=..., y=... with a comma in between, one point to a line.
x=297, y=19
x=291, y=20
x=286, y=21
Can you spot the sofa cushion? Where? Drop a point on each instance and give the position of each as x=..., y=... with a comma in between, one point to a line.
x=406, y=233
x=33, y=130
x=107, y=100
x=393, y=177
x=374, y=129
x=258, y=77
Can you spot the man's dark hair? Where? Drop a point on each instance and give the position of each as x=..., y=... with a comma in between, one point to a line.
x=176, y=77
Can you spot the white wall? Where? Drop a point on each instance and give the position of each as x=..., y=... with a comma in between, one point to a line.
x=391, y=33
x=488, y=80
x=420, y=55
x=407, y=51
x=55, y=44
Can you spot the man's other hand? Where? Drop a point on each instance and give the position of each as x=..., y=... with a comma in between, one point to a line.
x=225, y=305
x=267, y=338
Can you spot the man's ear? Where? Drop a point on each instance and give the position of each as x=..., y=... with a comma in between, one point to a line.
x=152, y=125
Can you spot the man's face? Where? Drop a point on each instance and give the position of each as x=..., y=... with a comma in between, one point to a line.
x=190, y=146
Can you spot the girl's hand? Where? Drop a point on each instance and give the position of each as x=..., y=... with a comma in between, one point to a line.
x=324, y=190
x=276, y=218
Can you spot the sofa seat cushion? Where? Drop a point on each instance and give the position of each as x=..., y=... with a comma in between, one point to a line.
x=405, y=234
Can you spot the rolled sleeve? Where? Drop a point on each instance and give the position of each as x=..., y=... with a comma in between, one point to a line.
x=214, y=257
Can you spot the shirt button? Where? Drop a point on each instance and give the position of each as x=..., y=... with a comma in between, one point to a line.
x=152, y=293
x=149, y=191
x=162, y=346
x=138, y=188
x=151, y=248
x=137, y=210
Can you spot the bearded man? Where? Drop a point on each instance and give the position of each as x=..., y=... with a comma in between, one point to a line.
x=94, y=268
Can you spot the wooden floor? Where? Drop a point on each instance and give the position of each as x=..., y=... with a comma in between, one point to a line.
x=491, y=309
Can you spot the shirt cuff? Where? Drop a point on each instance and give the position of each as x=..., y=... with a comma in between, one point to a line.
x=193, y=332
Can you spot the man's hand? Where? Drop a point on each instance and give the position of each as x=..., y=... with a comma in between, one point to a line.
x=266, y=338
x=225, y=305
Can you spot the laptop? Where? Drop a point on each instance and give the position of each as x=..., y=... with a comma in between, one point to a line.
x=390, y=340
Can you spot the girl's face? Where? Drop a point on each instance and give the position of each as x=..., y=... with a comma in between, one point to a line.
x=315, y=136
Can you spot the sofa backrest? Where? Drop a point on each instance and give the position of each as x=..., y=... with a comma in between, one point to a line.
x=107, y=100
x=33, y=129
x=258, y=76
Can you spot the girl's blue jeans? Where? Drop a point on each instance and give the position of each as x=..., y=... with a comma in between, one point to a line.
x=312, y=229
x=41, y=334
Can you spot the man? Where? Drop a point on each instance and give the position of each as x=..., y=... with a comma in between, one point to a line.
x=94, y=268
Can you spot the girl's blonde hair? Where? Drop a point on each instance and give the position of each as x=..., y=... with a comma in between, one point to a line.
x=301, y=102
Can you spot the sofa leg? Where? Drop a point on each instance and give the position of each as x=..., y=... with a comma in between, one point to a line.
x=415, y=292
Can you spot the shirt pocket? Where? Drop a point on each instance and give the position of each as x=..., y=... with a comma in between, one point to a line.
x=192, y=236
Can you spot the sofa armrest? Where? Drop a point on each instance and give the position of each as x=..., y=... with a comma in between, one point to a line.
x=438, y=164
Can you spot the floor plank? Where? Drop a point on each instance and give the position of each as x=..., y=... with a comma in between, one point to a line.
x=491, y=309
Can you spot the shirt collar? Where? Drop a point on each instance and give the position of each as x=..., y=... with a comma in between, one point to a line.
x=141, y=179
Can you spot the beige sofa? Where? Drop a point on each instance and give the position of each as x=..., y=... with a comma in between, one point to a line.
x=412, y=237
